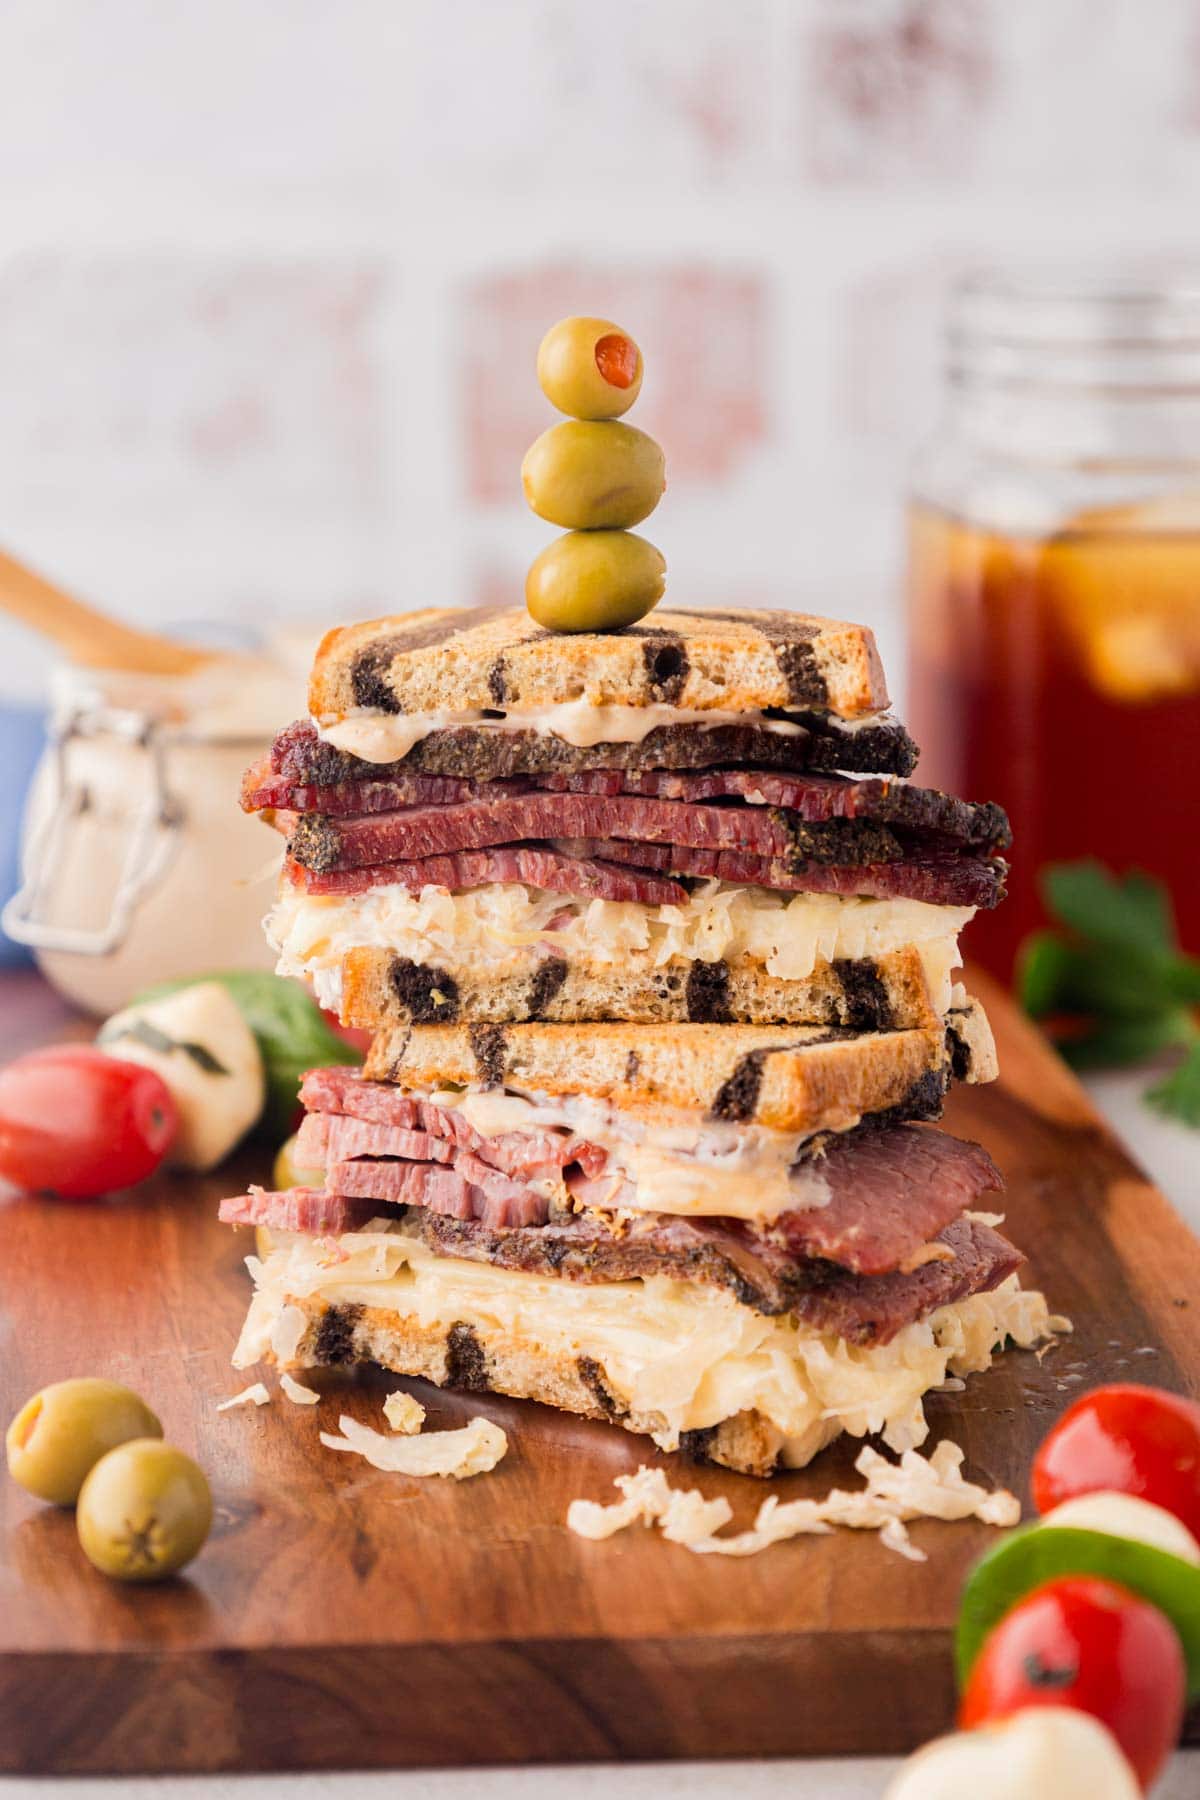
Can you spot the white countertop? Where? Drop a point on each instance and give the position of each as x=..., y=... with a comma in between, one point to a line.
x=1171, y=1156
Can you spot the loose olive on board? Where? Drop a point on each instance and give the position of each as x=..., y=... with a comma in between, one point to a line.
x=589, y=368
x=595, y=581
x=144, y=1511
x=62, y=1432
x=593, y=474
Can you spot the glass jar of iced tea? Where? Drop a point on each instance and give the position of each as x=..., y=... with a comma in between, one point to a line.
x=1054, y=581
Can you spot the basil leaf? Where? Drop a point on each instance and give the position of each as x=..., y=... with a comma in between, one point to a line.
x=1133, y=912
x=1178, y=1096
x=292, y=1034
x=1055, y=976
x=1115, y=1043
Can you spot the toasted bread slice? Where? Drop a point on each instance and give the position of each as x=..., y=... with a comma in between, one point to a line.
x=381, y=989
x=496, y=1346
x=455, y=661
x=789, y=1078
x=483, y=1357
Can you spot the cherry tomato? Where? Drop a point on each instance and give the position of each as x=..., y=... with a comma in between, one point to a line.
x=78, y=1123
x=1134, y=1440
x=1088, y=1644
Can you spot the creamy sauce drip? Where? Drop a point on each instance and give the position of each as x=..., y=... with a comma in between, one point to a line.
x=388, y=737
x=675, y=1162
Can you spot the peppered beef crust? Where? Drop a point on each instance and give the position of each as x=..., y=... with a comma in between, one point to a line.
x=769, y=1279
x=481, y=755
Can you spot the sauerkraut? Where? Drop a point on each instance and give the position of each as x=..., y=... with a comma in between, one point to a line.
x=916, y=1487
x=494, y=928
x=686, y=1352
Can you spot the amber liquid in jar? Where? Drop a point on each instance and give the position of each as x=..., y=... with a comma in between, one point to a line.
x=1060, y=675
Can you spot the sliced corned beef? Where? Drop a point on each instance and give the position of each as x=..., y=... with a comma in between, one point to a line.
x=322, y=843
x=892, y=1190
x=533, y=865
x=815, y=799
x=942, y=878
x=472, y=1189
x=340, y=1090
x=311, y=1210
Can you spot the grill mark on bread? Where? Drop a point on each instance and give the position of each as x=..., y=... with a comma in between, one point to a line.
x=737, y=1097
x=959, y=1052
x=429, y=995
x=800, y=670
x=868, y=1007
x=496, y=682
x=792, y=644
x=466, y=1364
x=368, y=675
x=592, y=1376
x=549, y=978
x=666, y=664
x=489, y=1045
x=924, y=1100
x=707, y=1000
x=334, y=1341
x=695, y=1444
x=371, y=667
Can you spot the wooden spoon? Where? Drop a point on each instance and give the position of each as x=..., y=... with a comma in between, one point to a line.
x=88, y=637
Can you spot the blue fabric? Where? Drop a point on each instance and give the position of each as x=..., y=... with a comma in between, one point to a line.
x=22, y=734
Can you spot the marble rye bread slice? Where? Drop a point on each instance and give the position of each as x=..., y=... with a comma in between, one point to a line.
x=792, y=1078
x=880, y=993
x=493, y=658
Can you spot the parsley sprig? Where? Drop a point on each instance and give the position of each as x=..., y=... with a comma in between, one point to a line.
x=1114, y=984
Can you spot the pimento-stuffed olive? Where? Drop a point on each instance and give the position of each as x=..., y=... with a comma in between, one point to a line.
x=589, y=368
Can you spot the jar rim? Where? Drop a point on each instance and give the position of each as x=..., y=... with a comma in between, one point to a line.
x=1129, y=331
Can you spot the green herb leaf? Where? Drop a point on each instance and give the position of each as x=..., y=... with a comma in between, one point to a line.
x=1116, y=1043
x=1178, y=1095
x=1057, y=976
x=292, y=1034
x=1119, y=977
x=1133, y=911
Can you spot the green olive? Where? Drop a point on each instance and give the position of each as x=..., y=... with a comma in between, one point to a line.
x=594, y=581
x=589, y=368
x=590, y=474
x=59, y=1435
x=144, y=1511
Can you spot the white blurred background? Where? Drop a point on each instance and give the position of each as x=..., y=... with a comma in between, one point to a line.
x=273, y=272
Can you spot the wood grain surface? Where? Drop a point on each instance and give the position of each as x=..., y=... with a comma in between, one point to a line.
x=339, y=1617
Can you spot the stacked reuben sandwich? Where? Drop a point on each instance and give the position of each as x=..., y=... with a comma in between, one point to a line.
x=657, y=944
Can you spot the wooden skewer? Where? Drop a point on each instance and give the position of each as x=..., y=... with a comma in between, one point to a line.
x=88, y=637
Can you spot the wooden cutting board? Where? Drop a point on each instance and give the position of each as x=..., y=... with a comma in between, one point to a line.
x=339, y=1617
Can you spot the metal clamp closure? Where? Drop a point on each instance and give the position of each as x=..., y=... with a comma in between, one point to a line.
x=153, y=837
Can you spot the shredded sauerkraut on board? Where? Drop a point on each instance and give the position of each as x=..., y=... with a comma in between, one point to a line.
x=916, y=1487
x=404, y=1414
x=473, y=1450
x=256, y=1395
x=296, y=1391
